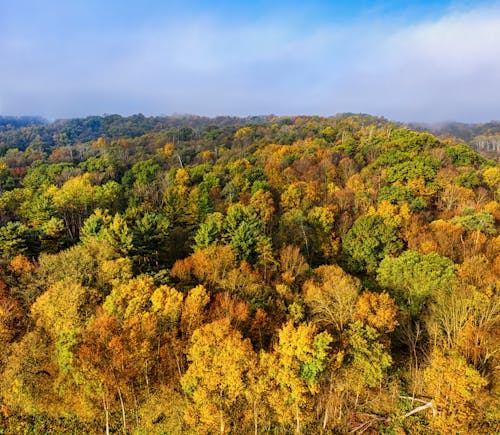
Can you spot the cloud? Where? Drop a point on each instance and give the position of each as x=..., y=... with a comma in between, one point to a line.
x=445, y=68
x=437, y=70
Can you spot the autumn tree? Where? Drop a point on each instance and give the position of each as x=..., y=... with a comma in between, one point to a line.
x=216, y=378
x=454, y=387
x=331, y=296
x=295, y=369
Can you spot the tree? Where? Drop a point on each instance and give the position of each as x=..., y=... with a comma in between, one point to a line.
x=368, y=357
x=480, y=222
x=150, y=240
x=331, y=296
x=377, y=310
x=12, y=317
x=445, y=238
x=241, y=229
x=216, y=378
x=413, y=278
x=118, y=234
x=74, y=202
x=193, y=310
x=291, y=264
x=454, y=387
x=295, y=369
x=17, y=238
x=370, y=240
x=209, y=232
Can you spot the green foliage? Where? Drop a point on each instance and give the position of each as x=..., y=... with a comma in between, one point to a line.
x=209, y=232
x=419, y=167
x=18, y=238
x=241, y=230
x=480, y=221
x=142, y=173
x=406, y=140
x=392, y=157
x=397, y=194
x=119, y=235
x=150, y=239
x=462, y=155
x=371, y=239
x=413, y=279
x=369, y=357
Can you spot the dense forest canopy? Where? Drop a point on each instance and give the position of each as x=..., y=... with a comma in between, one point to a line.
x=246, y=275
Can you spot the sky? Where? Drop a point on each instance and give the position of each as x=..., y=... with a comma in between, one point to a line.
x=423, y=61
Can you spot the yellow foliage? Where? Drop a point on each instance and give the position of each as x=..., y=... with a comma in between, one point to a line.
x=167, y=302
x=168, y=149
x=193, y=310
x=355, y=183
x=331, y=296
x=99, y=143
x=399, y=213
x=182, y=176
x=243, y=133
x=262, y=202
x=454, y=387
x=207, y=156
x=377, y=310
x=64, y=307
x=419, y=187
x=216, y=379
x=491, y=176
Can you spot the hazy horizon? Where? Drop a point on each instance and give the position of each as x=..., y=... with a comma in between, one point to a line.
x=423, y=62
x=434, y=124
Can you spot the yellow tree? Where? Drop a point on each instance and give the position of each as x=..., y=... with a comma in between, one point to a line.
x=216, y=379
x=295, y=369
x=454, y=387
x=377, y=310
x=331, y=296
x=194, y=310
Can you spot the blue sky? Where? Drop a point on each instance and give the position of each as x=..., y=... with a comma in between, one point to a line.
x=406, y=60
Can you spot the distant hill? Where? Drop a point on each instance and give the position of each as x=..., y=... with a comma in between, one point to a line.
x=26, y=131
x=15, y=122
x=484, y=138
x=33, y=131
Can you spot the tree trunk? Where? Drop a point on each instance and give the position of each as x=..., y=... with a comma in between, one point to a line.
x=421, y=408
x=106, y=411
x=255, y=421
x=297, y=427
x=124, y=421
x=325, y=418
x=221, y=423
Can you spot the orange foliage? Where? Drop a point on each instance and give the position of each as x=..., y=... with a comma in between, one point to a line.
x=20, y=265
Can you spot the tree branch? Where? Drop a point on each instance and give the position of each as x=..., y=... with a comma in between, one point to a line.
x=421, y=408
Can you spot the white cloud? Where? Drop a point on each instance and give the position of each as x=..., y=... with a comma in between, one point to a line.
x=447, y=68
x=444, y=69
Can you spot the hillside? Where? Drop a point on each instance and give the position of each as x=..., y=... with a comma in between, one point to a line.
x=247, y=275
x=484, y=138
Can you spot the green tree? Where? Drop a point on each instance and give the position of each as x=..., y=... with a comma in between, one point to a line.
x=414, y=279
x=17, y=238
x=370, y=240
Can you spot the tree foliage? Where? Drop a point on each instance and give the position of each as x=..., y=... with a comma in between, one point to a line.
x=258, y=275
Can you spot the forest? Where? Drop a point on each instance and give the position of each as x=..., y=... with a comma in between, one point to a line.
x=178, y=275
